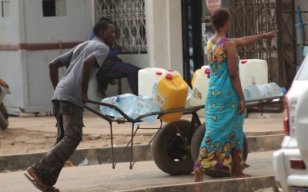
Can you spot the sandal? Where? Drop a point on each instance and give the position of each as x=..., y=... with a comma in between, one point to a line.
x=37, y=182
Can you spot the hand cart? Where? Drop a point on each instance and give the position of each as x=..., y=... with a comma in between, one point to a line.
x=175, y=146
x=276, y=101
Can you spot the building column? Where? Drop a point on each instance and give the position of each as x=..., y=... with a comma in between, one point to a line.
x=164, y=34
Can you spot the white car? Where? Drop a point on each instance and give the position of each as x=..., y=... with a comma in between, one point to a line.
x=291, y=161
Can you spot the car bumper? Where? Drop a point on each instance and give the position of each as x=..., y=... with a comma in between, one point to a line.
x=285, y=176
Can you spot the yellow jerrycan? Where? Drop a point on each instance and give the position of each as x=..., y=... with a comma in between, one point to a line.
x=171, y=93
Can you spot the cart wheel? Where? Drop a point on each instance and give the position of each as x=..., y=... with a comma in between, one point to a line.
x=171, y=148
x=197, y=138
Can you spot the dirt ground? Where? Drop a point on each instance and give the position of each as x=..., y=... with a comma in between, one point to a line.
x=37, y=134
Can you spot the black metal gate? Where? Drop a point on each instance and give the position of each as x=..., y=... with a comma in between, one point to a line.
x=287, y=45
x=252, y=17
x=258, y=16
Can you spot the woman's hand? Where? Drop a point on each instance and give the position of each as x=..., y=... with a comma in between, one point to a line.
x=269, y=35
x=241, y=107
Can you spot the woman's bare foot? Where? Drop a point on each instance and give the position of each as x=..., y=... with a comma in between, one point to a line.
x=237, y=171
x=198, y=175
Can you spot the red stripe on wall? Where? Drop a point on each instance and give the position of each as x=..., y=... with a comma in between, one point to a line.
x=38, y=46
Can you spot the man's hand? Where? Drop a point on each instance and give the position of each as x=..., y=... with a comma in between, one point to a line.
x=241, y=107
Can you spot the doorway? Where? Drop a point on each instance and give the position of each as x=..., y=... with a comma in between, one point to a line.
x=192, y=37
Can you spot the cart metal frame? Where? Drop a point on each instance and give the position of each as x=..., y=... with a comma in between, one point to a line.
x=195, y=121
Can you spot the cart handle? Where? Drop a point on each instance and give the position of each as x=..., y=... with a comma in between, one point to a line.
x=161, y=113
x=112, y=107
x=262, y=100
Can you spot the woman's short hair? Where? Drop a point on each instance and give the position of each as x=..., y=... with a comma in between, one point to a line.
x=102, y=24
x=219, y=18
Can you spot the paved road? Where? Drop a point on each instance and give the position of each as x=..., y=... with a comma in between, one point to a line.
x=100, y=178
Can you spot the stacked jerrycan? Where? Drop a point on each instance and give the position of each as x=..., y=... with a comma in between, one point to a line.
x=193, y=79
x=148, y=78
x=199, y=83
x=171, y=93
x=253, y=72
x=254, y=80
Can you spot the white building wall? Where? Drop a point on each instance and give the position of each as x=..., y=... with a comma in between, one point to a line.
x=9, y=26
x=11, y=60
x=75, y=26
x=26, y=71
x=11, y=71
x=164, y=33
x=175, y=35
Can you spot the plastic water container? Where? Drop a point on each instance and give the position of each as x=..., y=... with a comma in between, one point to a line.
x=147, y=78
x=253, y=72
x=171, y=93
x=262, y=91
x=200, y=87
x=193, y=79
x=132, y=105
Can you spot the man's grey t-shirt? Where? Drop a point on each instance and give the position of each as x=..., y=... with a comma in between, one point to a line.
x=69, y=87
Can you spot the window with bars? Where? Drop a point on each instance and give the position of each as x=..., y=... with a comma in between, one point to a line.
x=52, y=8
x=5, y=9
x=128, y=17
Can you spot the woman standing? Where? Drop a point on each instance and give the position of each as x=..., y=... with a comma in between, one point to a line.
x=221, y=151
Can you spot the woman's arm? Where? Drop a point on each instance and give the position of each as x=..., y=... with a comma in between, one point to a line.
x=248, y=40
x=230, y=47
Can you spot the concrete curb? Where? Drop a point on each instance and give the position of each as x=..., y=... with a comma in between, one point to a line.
x=264, y=143
x=94, y=156
x=250, y=184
